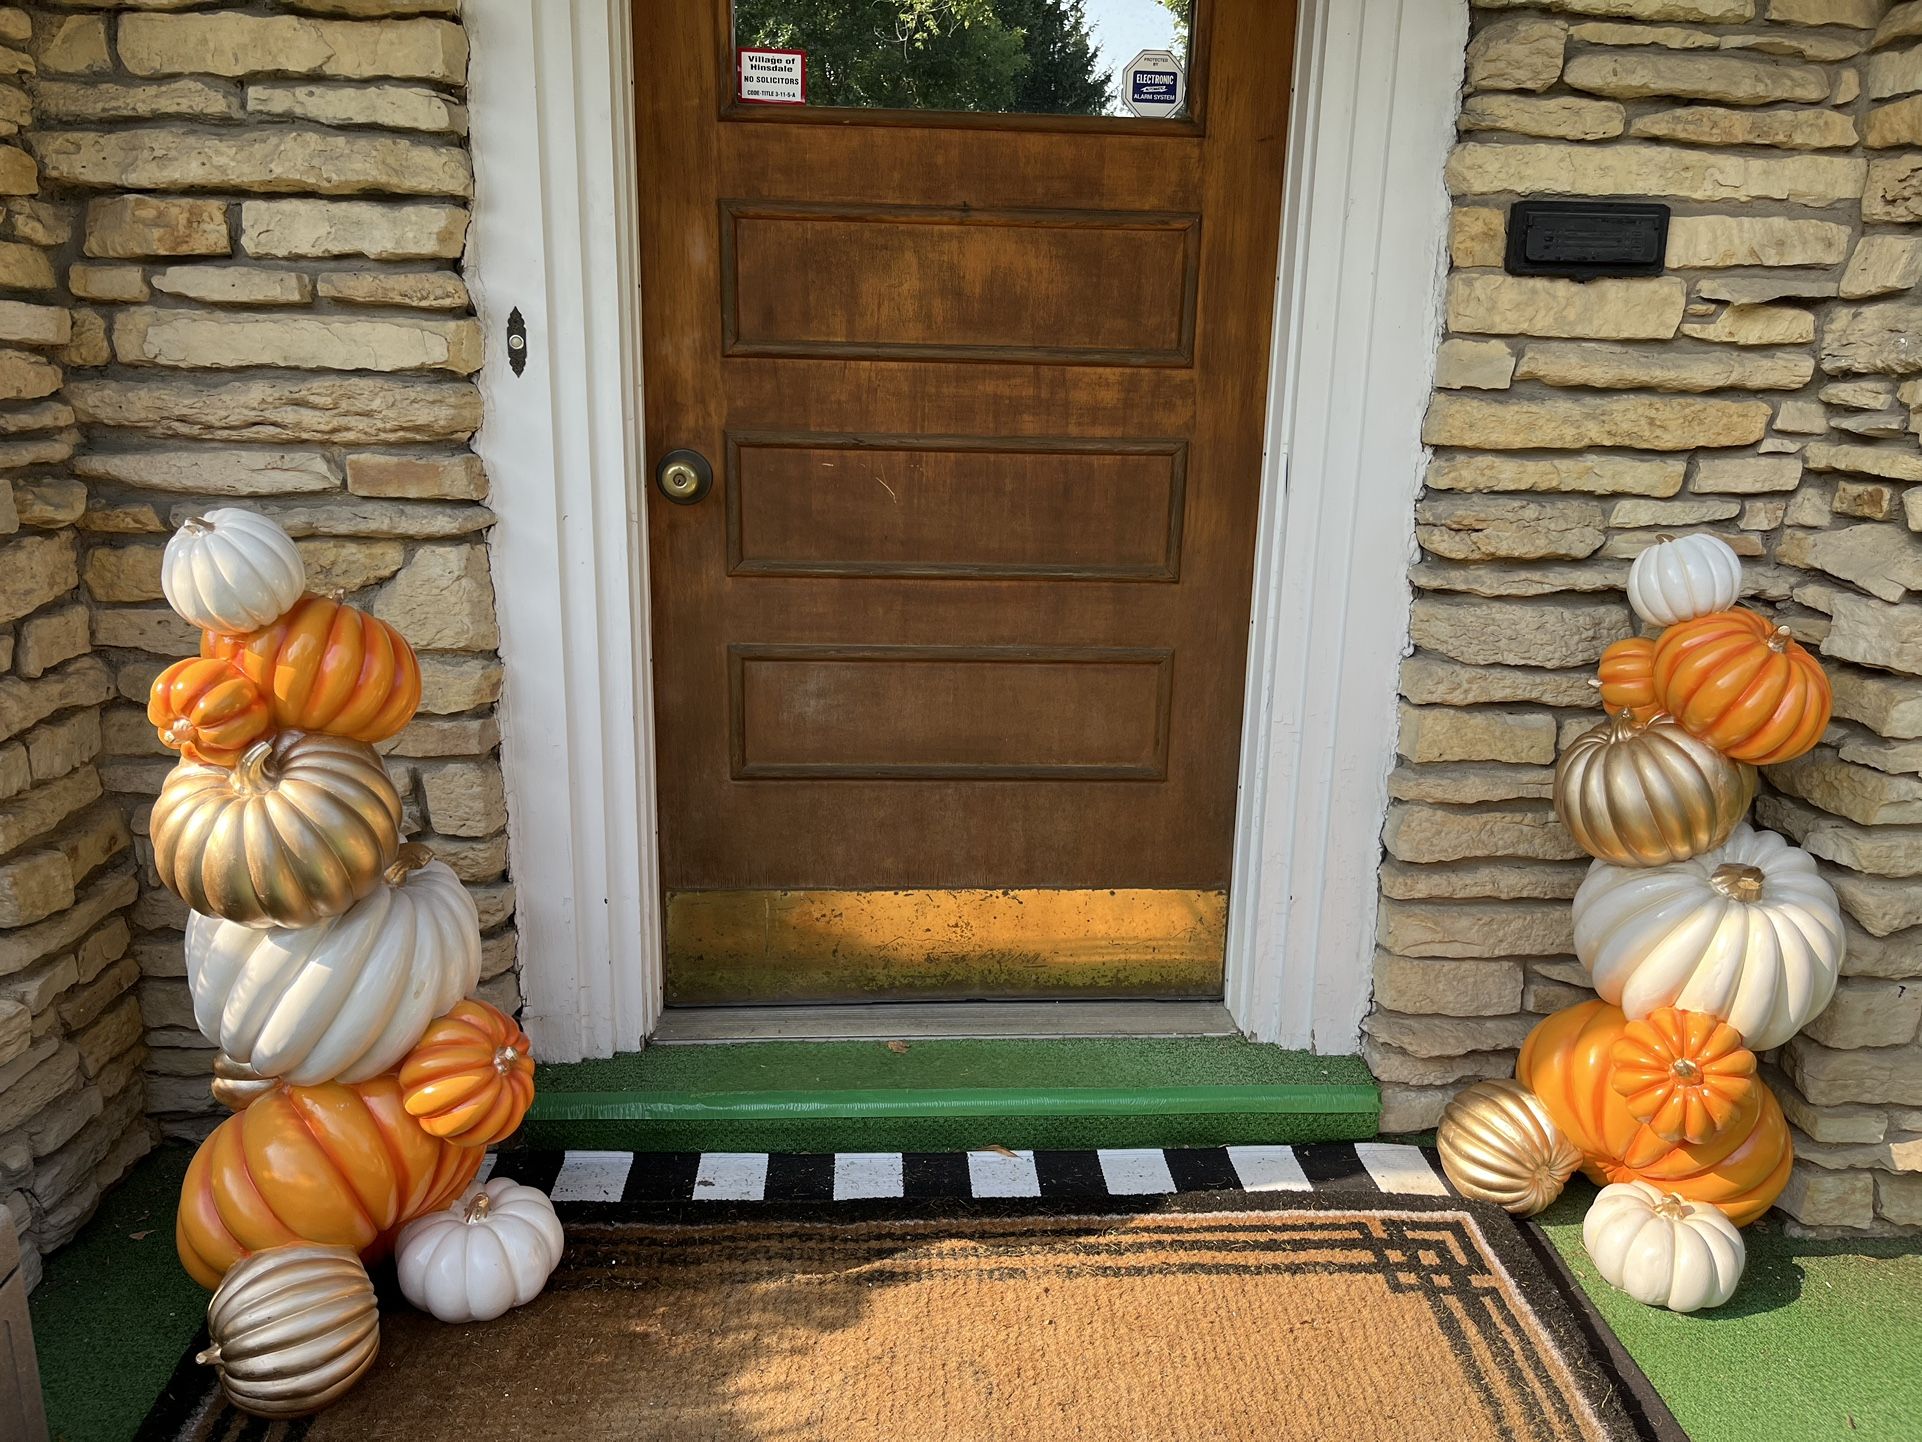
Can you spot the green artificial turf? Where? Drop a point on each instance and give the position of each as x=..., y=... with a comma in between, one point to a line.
x=1823, y=1339
x=114, y=1311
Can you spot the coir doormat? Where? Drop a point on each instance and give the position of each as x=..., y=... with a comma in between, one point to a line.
x=1233, y=1315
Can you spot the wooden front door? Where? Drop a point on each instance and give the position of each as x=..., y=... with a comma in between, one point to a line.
x=949, y=661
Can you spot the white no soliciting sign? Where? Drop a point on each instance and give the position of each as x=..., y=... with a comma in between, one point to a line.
x=1153, y=85
x=774, y=77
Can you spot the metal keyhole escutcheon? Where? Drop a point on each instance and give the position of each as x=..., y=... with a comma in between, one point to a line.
x=683, y=477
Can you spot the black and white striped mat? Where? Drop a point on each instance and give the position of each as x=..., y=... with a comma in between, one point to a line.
x=1377, y=1168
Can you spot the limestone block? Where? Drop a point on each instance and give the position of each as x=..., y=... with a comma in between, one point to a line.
x=218, y=341
x=1541, y=578
x=1859, y=793
x=268, y=160
x=33, y=886
x=1827, y=1076
x=1866, y=500
x=314, y=228
x=1730, y=79
x=34, y=325
x=1680, y=513
x=1479, y=168
x=126, y=227
x=1562, y=117
x=392, y=107
x=482, y=859
x=1776, y=129
x=1450, y=733
x=1615, y=367
x=1530, y=830
x=1724, y=240
x=1519, y=54
x=417, y=477
x=83, y=101
x=1437, y=680
x=417, y=290
x=107, y=282
x=1482, y=528
x=1746, y=475
x=412, y=520
x=1892, y=190
x=233, y=44
x=1493, y=880
x=351, y=411
x=1869, y=1014
x=73, y=45
x=1882, y=906
x=1545, y=306
x=1895, y=955
x=1859, y=395
x=1714, y=10
x=1862, y=14
x=1445, y=987
x=48, y=638
x=442, y=600
x=1756, y=325
x=1476, y=929
x=32, y=1081
x=1657, y=423
x=100, y=898
x=349, y=566
x=1760, y=289
x=1893, y=72
x=1595, y=474
x=1898, y=1199
x=1469, y=784
x=1817, y=1197
x=1477, y=236
x=1540, y=633
x=1438, y=1036
x=138, y=628
x=213, y=470
x=1885, y=561
x=451, y=736
x=23, y=703
x=1880, y=338
x=1483, y=365
x=24, y=267
x=33, y=571
x=1887, y=462
x=1896, y=125
x=235, y=285
x=1391, y=1065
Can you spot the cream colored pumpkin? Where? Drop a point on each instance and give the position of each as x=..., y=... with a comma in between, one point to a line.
x=1748, y=933
x=231, y=570
x=344, y=1000
x=1661, y=1249
x=1681, y=579
x=493, y=1249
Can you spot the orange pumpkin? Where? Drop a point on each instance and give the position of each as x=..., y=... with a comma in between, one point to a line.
x=470, y=1078
x=1627, y=679
x=207, y=711
x=328, y=667
x=1743, y=686
x=1567, y=1062
x=1684, y=1075
x=335, y=1165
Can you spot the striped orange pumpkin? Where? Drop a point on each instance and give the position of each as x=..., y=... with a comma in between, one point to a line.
x=470, y=1078
x=1627, y=679
x=207, y=711
x=1568, y=1063
x=1738, y=682
x=328, y=667
x=1684, y=1075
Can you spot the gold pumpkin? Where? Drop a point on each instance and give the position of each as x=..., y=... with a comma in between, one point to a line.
x=236, y=1086
x=298, y=831
x=293, y=1328
x=1498, y=1144
x=1637, y=794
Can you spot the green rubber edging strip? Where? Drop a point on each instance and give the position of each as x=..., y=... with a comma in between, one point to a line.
x=973, y=1102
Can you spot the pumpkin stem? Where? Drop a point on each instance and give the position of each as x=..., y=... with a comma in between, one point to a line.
x=1779, y=640
x=196, y=526
x=210, y=1357
x=478, y=1209
x=413, y=856
x=253, y=772
x=506, y=1058
x=1672, y=1206
x=1738, y=881
x=1684, y=1069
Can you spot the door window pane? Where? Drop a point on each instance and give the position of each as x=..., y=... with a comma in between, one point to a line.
x=1031, y=57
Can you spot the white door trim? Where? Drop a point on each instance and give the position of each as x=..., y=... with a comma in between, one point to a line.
x=1357, y=314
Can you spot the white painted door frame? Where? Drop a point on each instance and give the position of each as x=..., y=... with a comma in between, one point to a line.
x=1356, y=319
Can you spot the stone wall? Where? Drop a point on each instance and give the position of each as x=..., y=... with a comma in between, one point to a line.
x=1766, y=388
x=252, y=220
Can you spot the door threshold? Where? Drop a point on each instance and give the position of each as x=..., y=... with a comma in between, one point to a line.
x=940, y=1021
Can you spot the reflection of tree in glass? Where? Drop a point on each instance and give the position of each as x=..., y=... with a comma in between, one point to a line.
x=1184, y=13
x=996, y=55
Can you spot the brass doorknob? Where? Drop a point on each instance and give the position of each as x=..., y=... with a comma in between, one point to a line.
x=683, y=477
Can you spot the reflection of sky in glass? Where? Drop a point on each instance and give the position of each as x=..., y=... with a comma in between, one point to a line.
x=1124, y=28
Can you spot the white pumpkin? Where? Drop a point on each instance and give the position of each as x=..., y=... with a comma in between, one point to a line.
x=493, y=1249
x=346, y=999
x=1662, y=1250
x=231, y=570
x=1681, y=579
x=1747, y=932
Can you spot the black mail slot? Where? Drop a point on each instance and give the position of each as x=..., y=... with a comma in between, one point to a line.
x=1582, y=239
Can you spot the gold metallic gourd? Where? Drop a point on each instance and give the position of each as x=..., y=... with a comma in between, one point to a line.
x=298, y=831
x=293, y=1329
x=1498, y=1144
x=1646, y=794
x=236, y=1085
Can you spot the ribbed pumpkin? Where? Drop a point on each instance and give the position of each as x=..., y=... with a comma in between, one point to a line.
x=1644, y=794
x=336, y=1165
x=328, y=667
x=1683, y=1074
x=1626, y=677
x=207, y=711
x=1738, y=682
x=292, y=1330
x=1498, y=1144
x=299, y=830
x=231, y=570
x=1567, y=1061
x=470, y=1079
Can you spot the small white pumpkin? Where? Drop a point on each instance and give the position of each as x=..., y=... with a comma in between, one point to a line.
x=1681, y=579
x=231, y=570
x=346, y=999
x=1748, y=933
x=493, y=1249
x=1661, y=1249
